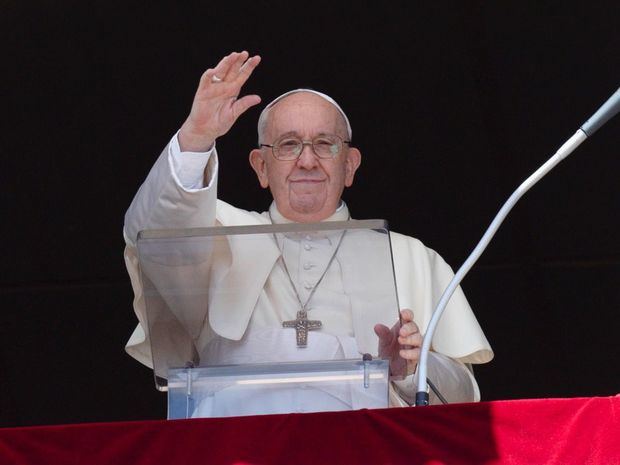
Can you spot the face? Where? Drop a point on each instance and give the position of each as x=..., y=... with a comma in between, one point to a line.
x=307, y=189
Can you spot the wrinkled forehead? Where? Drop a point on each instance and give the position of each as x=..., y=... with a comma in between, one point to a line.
x=293, y=98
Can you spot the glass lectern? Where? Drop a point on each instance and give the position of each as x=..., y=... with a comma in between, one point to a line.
x=246, y=320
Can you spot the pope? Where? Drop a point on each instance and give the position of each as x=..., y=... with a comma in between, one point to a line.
x=306, y=159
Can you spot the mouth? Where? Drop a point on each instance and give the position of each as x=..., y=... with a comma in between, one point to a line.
x=307, y=180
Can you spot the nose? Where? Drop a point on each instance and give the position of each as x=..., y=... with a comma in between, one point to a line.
x=307, y=158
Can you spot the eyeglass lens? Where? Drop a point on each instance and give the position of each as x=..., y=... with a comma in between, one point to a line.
x=324, y=147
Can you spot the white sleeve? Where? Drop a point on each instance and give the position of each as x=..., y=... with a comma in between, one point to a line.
x=452, y=378
x=188, y=168
x=173, y=196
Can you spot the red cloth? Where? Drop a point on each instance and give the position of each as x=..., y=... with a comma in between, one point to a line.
x=552, y=431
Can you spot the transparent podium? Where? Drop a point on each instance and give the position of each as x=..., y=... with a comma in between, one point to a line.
x=249, y=320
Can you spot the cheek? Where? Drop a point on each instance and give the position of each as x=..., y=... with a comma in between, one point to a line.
x=277, y=177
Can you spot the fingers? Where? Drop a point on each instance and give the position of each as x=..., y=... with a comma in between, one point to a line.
x=384, y=334
x=234, y=68
x=206, y=78
x=247, y=69
x=412, y=355
x=224, y=66
x=408, y=329
x=400, y=344
x=236, y=62
x=409, y=333
x=241, y=105
x=412, y=339
x=230, y=68
x=220, y=71
x=227, y=78
x=406, y=315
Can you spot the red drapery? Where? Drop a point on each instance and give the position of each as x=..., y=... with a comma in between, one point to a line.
x=550, y=431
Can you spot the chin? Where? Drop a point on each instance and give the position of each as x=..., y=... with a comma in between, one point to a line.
x=307, y=206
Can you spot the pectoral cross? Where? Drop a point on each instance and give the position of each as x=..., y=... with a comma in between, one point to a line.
x=302, y=325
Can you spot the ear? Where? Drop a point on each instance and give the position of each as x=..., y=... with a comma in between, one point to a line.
x=352, y=163
x=259, y=165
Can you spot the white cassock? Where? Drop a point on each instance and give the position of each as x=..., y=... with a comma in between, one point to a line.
x=246, y=327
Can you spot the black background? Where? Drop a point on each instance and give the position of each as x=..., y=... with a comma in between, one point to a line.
x=452, y=104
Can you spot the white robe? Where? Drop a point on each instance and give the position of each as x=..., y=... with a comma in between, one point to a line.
x=165, y=202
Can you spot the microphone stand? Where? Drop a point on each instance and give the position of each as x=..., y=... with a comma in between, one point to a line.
x=609, y=109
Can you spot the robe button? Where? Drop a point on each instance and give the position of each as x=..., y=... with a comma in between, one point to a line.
x=307, y=246
x=307, y=285
x=307, y=266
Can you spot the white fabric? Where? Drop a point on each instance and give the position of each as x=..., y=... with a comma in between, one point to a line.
x=307, y=256
x=188, y=167
x=173, y=197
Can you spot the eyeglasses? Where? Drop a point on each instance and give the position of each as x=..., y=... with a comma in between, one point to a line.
x=290, y=148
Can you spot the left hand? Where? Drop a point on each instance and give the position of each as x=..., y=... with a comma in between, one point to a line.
x=403, y=360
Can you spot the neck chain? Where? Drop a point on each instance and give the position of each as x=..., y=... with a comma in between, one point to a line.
x=302, y=325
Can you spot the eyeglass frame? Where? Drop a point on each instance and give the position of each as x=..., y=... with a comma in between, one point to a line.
x=303, y=144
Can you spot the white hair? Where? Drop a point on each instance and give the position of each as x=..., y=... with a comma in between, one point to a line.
x=263, y=118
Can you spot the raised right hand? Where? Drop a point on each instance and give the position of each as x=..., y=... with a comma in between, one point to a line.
x=216, y=105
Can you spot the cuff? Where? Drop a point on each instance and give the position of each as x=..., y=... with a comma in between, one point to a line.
x=188, y=168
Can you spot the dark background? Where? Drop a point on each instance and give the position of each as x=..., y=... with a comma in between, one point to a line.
x=453, y=104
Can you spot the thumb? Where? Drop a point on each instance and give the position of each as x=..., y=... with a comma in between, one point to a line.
x=240, y=106
x=385, y=335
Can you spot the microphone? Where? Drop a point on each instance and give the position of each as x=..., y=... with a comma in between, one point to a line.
x=607, y=111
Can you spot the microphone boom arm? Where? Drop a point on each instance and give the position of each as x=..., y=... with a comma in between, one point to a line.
x=607, y=111
x=569, y=146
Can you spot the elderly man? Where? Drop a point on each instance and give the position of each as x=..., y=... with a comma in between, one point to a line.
x=306, y=159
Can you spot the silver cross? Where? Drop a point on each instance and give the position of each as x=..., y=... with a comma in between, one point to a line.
x=302, y=325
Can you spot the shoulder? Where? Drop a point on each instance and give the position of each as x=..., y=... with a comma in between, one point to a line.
x=408, y=250
x=228, y=215
x=407, y=244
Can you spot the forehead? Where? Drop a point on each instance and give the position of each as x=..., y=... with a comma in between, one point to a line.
x=305, y=114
